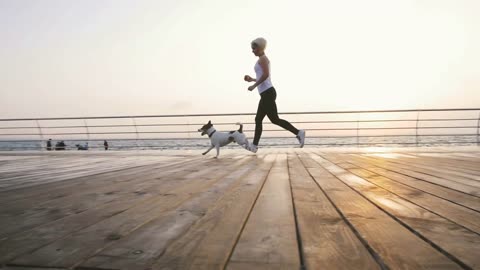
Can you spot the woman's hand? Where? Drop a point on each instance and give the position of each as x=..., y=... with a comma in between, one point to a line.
x=247, y=78
x=250, y=88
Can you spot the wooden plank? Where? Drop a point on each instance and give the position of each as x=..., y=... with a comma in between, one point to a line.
x=467, y=161
x=463, y=216
x=327, y=240
x=35, y=195
x=259, y=266
x=48, y=167
x=222, y=214
x=428, y=178
x=28, y=268
x=11, y=196
x=269, y=236
x=25, y=242
x=177, y=191
x=459, y=165
x=210, y=241
x=54, y=165
x=9, y=157
x=391, y=242
x=82, y=199
x=454, y=196
x=32, y=164
x=140, y=248
x=55, y=176
x=460, y=243
x=446, y=170
x=46, y=175
x=429, y=172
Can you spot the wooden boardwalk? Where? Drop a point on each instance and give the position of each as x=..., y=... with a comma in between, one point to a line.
x=310, y=208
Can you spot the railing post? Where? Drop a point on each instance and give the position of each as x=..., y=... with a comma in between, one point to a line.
x=478, y=129
x=188, y=127
x=136, y=131
x=416, y=128
x=86, y=128
x=40, y=132
x=358, y=127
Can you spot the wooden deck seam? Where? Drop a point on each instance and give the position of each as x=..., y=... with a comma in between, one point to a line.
x=46, y=185
x=249, y=213
x=32, y=267
x=233, y=185
x=467, y=163
x=464, y=182
x=301, y=252
x=414, y=203
x=192, y=248
x=413, y=187
x=72, y=214
x=395, y=176
x=136, y=204
x=94, y=174
x=177, y=204
x=431, y=182
x=358, y=209
x=415, y=232
x=425, y=160
x=428, y=171
x=364, y=242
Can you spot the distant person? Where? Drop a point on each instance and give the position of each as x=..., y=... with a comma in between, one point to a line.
x=267, y=105
x=82, y=147
x=105, y=144
x=49, y=145
x=60, y=145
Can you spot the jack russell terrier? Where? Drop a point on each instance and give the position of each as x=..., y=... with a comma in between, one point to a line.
x=219, y=139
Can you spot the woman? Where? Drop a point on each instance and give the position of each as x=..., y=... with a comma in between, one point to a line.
x=267, y=105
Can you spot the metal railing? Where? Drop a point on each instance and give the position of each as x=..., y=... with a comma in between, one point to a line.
x=327, y=128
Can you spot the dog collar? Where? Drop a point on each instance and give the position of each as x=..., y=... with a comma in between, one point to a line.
x=210, y=135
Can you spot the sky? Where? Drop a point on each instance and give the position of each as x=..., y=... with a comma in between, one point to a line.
x=117, y=57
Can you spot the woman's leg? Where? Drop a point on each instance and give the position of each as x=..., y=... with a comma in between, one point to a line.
x=270, y=107
x=258, y=122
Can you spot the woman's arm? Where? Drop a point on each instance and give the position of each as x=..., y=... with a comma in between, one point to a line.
x=247, y=78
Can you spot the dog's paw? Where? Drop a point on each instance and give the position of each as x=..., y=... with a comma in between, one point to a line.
x=204, y=154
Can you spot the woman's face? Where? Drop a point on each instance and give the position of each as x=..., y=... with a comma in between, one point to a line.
x=256, y=50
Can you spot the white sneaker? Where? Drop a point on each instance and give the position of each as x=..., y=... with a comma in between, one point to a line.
x=252, y=148
x=301, y=137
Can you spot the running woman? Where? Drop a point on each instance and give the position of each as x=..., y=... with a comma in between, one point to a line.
x=267, y=105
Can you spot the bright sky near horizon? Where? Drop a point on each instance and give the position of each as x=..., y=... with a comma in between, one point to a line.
x=119, y=57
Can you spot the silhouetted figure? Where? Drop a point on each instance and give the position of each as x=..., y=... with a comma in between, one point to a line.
x=60, y=146
x=82, y=147
x=267, y=105
x=49, y=145
x=105, y=144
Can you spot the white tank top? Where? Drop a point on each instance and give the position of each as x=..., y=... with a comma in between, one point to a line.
x=265, y=84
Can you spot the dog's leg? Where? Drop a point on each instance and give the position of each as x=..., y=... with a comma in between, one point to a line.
x=218, y=150
x=211, y=147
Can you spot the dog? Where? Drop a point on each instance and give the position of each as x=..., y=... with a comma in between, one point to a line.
x=219, y=139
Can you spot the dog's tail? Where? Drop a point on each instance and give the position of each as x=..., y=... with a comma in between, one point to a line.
x=241, y=127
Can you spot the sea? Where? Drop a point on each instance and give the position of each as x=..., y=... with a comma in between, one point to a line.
x=184, y=144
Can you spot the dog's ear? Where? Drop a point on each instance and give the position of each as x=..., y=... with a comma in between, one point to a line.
x=209, y=121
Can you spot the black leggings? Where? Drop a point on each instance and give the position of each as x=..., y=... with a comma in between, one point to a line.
x=268, y=107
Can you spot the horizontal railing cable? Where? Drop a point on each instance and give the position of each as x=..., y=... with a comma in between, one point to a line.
x=440, y=123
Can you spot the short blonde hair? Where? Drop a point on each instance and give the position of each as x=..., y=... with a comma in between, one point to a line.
x=260, y=42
